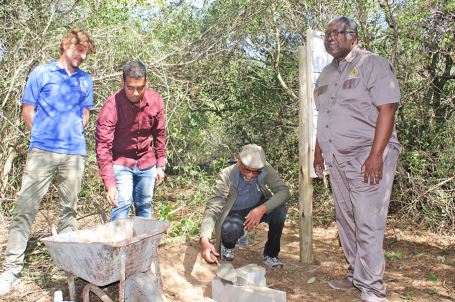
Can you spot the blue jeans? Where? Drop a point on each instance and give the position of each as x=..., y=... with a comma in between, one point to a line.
x=134, y=185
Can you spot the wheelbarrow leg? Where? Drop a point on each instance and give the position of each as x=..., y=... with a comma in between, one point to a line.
x=157, y=272
x=121, y=290
x=97, y=291
x=71, y=286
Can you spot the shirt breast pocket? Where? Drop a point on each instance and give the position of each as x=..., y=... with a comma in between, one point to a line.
x=318, y=93
x=350, y=83
x=124, y=124
x=351, y=90
x=146, y=124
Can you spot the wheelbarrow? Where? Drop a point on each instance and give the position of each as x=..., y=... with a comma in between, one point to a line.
x=120, y=251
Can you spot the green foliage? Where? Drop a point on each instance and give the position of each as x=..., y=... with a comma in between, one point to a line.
x=393, y=255
x=164, y=212
x=311, y=280
x=432, y=277
x=185, y=228
x=216, y=68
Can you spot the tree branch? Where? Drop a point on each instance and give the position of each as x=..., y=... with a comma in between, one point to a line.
x=276, y=66
x=393, y=23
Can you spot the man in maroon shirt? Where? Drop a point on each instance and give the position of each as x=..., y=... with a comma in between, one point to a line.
x=131, y=143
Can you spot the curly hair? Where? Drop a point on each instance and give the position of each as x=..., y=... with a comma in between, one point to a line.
x=78, y=37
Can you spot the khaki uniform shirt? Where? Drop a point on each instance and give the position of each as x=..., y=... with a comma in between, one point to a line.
x=346, y=96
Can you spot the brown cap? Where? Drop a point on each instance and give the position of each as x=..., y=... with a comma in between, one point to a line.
x=252, y=156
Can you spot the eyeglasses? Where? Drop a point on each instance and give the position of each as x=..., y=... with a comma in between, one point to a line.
x=254, y=172
x=248, y=170
x=335, y=33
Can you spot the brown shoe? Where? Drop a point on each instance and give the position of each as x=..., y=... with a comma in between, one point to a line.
x=342, y=284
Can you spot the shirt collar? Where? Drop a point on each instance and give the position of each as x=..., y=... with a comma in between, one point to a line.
x=351, y=55
x=54, y=66
x=349, y=58
x=142, y=104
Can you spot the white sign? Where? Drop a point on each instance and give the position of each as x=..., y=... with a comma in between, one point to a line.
x=317, y=59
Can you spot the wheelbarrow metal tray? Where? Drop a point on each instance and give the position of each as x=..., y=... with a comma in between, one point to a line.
x=94, y=254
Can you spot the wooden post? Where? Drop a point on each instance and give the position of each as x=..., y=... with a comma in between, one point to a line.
x=305, y=181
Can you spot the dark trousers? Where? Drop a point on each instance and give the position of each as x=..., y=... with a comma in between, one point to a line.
x=232, y=229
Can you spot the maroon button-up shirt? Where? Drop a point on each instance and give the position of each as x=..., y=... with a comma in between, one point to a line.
x=128, y=133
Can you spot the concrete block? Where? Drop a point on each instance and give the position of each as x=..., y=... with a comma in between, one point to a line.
x=253, y=274
x=225, y=291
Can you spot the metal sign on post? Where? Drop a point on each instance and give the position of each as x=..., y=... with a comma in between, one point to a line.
x=312, y=59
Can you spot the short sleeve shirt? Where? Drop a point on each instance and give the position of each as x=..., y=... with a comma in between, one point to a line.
x=59, y=101
x=347, y=94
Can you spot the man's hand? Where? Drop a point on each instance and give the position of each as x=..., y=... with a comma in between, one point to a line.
x=112, y=196
x=372, y=169
x=318, y=163
x=159, y=176
x=254, y=216
x=208, y=251
x=85, y=117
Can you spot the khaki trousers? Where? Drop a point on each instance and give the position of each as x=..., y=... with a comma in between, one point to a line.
x=39, y=170
x=361, y=214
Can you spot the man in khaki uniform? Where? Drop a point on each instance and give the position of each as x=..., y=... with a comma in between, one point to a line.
x=247, y=193
x=357, y=95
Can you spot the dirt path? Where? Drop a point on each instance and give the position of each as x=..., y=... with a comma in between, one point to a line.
x=412, y=257
x=420, y=268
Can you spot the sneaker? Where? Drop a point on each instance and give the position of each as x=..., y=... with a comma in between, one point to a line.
x=272, y=261
x=7, y=282
x=228, y=254
x=342, y=284
x=243, y=240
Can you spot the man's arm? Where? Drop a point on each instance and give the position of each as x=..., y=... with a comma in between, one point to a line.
x=278, y=187
x=86, y=116
x=159, y=143
x=27, y=114
x=318, y=162
x=372, y=168
x=212, y=213
x=104, y=137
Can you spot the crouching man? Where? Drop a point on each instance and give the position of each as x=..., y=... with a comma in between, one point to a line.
x=247, y=193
